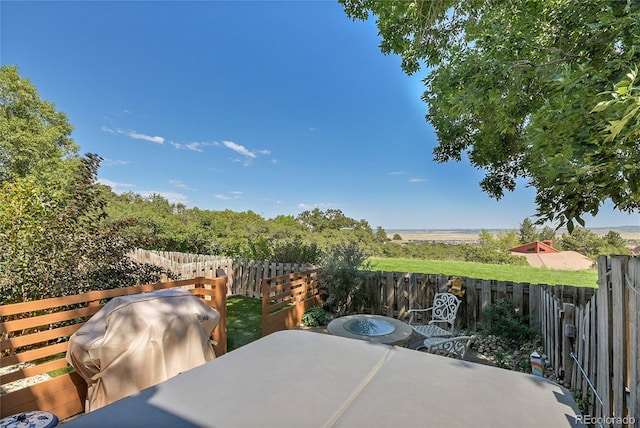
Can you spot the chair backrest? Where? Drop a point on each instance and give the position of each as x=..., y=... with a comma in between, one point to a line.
x=445, y=308
x=455, y=347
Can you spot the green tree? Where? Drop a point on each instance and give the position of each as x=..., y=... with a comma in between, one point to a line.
x=591, y=245
x=53, y=239
x=344, y=269
x=513, y=85
x=486, y=239
x=34, y=137
x=614, y=239
x=547, y=234
x=528, y=232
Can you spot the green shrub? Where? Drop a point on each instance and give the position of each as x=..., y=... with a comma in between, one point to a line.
x=345, y=268
x=501, y=319
x=314, y=317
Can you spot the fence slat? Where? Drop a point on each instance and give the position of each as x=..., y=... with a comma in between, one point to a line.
x=604, y=339
x=634, y=340
x=568, y=321
x=485, y=297
x=618, y=335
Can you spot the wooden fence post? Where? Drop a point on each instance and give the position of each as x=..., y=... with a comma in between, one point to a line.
x=618, y=335
x=568, y=337
x=634, y=340
x=534, y=305
x=603, y=382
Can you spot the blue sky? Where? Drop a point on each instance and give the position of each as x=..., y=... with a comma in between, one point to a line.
x=271, y=106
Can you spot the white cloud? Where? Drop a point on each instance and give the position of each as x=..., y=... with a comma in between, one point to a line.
x=194, y=146
x=397, y=173
x=417, y=180
x=114, y=162
x=115, y=186
x=179, y=184
x=138, y=136
x=264, y=152
x=239, y=148
x=235, y=194
x=107, y=129
x=172, y=197
x=133, y=134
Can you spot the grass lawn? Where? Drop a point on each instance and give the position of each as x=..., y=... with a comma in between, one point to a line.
x=526, y=274
x=244, y=321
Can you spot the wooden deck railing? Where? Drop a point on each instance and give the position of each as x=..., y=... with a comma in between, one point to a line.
x=34, y=337
x=285, y=298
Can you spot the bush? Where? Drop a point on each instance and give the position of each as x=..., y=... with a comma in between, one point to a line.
x=314, y=317
x=501, y=319
x=344, y=270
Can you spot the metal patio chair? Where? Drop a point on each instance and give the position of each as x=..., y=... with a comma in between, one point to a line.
x=442, y=314
x=455, y=347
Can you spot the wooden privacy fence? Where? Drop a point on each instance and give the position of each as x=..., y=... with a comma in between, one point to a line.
x=594, y=347
x=285, y=298
x=394, y=293
x=244, y=276
x=34, y=339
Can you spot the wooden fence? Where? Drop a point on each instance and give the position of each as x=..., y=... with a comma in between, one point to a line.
x=244, y=276
x=34, y=337
x=394, y=293
x=285, y=298
x=594, y=347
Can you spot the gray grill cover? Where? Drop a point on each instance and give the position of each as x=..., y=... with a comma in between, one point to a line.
x=138, y=341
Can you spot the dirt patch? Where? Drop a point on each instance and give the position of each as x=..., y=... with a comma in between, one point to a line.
x=437, y=236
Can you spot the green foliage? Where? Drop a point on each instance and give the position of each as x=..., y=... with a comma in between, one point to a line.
x=397, y=237
x=315, y=317
x=500, y=319
x=584, y=241
x=488, y=253
x=513, y=85
x=54, y=239
x=34, y=137
x=160, y=225
x=284, y=251
x=502, y=241
x=344, y=269
x=528, y=232
x=547, y=234
x=583, y=399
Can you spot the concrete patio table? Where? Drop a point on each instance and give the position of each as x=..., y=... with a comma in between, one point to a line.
x=302, y=379
x=374, y=328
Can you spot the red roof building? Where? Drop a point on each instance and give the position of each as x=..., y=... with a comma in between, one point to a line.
x=536, y=248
